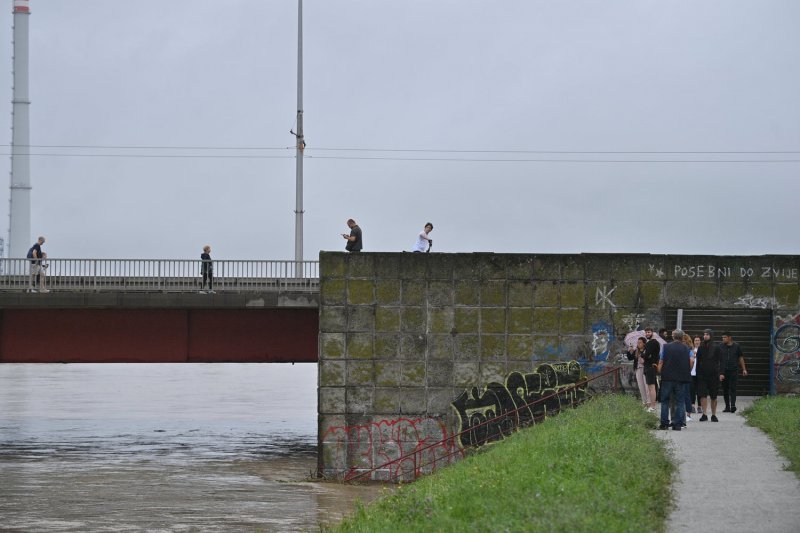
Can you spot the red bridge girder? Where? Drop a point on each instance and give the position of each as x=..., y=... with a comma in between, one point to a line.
x=158, y=335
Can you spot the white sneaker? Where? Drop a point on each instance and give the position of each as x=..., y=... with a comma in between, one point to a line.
x=202, y=292
x=32, y=290
x=651, y=409
x=688, y=418
x=44, y=290
x=212, y=292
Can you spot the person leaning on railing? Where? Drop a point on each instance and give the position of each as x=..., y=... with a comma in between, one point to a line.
x=207, y=271
x=36, y=256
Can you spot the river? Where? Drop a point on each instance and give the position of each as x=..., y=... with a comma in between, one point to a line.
x=163, y=447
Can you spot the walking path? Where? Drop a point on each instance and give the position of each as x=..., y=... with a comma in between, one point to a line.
x=730, y=478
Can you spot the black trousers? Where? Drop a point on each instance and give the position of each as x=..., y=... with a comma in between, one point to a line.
x=729, y=388
x=208, y=277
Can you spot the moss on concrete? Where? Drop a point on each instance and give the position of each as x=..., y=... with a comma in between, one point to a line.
x=520, y=320
x=545, y=294
x=545, y=320
x=493, y=320
x=387, y=292
x=387, y=319
x=493, y=293
x=359, y=346
x=413, y=292
x=412, y=319
x=467, y=292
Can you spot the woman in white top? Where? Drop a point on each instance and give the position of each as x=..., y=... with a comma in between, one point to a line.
x=424, y=242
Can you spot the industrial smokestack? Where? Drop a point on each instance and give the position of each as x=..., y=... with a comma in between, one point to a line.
x=20, y=200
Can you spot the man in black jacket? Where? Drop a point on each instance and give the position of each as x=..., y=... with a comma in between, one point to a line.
x=708, y=374
x=675, y=369
x=732, y=358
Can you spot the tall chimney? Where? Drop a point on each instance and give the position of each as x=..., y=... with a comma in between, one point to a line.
x=20, y=199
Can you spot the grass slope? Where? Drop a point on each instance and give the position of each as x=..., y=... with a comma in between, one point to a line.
x=597, y=467
x=779, y=417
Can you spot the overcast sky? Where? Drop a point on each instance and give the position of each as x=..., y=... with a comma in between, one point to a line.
x=471, y=76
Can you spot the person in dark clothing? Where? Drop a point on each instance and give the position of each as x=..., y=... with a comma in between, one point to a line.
x=652, y=348
x=732, y=358
x=675, y=369
x=36, y=255
x=354, y=242
x=207, y=270
x=708, y=373
x=637, y=356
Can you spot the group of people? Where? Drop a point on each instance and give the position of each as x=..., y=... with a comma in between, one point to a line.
x=691, y=370
x=38, y=267
x=355, y=241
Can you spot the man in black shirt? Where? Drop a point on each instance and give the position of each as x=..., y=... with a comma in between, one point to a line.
x=732, y=359
x=708, y=373
x=354, y=243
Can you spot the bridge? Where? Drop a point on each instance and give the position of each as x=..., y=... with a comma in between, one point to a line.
x=153, y=310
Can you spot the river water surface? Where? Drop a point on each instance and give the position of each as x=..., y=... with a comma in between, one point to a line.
x=163, y=447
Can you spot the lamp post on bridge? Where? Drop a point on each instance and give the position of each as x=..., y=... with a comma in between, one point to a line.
x=301, y=144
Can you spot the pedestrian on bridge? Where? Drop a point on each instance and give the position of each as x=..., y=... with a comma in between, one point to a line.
x=36, y=256
x=354, y=243
x=207, y=271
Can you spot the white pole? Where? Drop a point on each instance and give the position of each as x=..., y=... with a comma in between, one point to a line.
x=20, y=198
x=298, y=211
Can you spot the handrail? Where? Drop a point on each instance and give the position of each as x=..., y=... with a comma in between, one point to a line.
x=160, y=275
x=449, y=440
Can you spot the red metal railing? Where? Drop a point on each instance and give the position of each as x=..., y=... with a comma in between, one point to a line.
x=417, y=467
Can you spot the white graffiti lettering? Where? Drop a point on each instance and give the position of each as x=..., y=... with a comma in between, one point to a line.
x=632, y=321
x=603, y=296
x=756, y=302
x=656, y=270
x=713, y=271
x=786, y=273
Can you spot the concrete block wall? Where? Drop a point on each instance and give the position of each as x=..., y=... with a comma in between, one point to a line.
x=403, y=335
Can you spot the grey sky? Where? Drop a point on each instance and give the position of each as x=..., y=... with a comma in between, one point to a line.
x=443, y=75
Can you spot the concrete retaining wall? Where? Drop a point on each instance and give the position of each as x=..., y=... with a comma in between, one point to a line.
x=402, y=335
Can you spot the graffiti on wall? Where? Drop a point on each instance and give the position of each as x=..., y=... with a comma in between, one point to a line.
x=787, y=350
x=601, y=335
x=717, y=272
x=756, y=302
x=632, y=321
x=497, y=410
x=602, y=296
x=412, y=446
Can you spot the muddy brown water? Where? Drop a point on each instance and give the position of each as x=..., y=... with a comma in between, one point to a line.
x=163, y=447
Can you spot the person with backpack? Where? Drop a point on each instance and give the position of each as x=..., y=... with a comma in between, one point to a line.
x=36, y=256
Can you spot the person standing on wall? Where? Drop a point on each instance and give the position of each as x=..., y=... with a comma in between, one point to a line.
x=708, y=373
x=424, y=242
x=675, y=367
x=207, y=270
x=36, y=256
x=652, y=348
x=732, y=360
x=354, y=242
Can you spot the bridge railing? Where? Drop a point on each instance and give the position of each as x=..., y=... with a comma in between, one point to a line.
x=161, y=275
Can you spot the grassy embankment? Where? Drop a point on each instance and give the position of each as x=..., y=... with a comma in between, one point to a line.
x=595, y=468
x=779, y=417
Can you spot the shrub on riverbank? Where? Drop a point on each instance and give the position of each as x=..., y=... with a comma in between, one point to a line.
x=598, y=467
x=779, y=417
